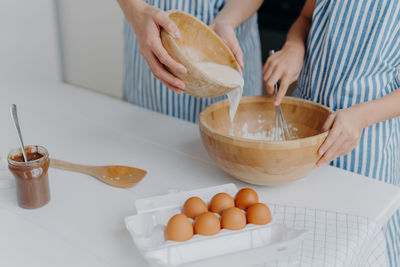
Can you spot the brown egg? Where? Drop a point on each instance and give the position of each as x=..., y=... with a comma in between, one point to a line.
x=193, y=207
x=245, y=197
x=221, y=202
x=179, y=228
x=258, y=213
x=207, y=224
x=233, y=219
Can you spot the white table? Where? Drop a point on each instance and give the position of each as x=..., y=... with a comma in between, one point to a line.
x=83, y=223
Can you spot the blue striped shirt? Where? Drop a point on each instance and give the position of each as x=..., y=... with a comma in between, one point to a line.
x=353, y=56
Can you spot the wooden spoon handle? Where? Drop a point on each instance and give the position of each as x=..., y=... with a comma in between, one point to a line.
x=59, y=164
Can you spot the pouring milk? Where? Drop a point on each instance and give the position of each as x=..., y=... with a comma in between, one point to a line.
x=227, y=76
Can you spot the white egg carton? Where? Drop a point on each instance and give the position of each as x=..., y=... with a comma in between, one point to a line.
x=147, y=231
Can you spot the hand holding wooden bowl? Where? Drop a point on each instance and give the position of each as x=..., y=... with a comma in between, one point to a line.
x=264, y=162
x=198, y=44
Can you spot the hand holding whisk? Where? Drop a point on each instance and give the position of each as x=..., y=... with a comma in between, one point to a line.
x=280, y=122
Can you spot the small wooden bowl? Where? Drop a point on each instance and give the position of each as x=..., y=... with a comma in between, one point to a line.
x=198, y=44
x=264, y=162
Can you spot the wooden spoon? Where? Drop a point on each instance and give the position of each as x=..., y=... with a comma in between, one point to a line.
x=119, y=176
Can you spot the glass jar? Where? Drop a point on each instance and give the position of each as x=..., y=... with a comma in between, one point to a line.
x=31, y=177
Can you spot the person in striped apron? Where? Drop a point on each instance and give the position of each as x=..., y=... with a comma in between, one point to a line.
x=345, y=54
x=147, y=82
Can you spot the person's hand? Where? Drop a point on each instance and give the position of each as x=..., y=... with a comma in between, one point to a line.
x=146, y=21
x=284, y=66
x=345, y=129
x=227, y=34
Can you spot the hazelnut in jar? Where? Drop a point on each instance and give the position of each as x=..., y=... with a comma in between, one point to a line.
x=31, y=177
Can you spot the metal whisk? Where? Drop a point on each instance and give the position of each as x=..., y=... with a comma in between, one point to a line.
x=280, y=123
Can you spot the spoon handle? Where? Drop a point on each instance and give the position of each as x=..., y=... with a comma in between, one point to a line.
x=14, y=116
x=59, y=164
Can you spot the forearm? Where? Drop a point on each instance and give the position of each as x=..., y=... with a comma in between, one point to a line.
x=129, y=7
x=300, y=29
x=381, y=109
x=235, y=12
x=298, y=33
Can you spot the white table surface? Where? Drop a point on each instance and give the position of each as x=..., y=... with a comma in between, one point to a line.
x=83, y=223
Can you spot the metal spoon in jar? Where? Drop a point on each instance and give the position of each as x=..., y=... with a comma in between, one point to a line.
x=14, y=116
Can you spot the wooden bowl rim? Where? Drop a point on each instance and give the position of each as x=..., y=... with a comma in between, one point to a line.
x=245, y=142
x=204, y=26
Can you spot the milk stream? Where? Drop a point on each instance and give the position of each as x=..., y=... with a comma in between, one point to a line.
x=234, y=99
x=227, y=76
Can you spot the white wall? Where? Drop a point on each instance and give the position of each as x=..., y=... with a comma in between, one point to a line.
x=91, y=34
x=28, y=40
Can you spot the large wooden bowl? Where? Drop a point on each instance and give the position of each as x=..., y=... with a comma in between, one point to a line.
x=264, y=162
x=198, y=44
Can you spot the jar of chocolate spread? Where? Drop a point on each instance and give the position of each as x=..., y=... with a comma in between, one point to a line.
x=31, y=177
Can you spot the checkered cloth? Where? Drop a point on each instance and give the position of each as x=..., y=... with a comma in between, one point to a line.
x=334, y=239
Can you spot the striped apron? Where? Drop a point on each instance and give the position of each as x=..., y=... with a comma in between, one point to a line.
x=143, y=89
x=353, y=56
